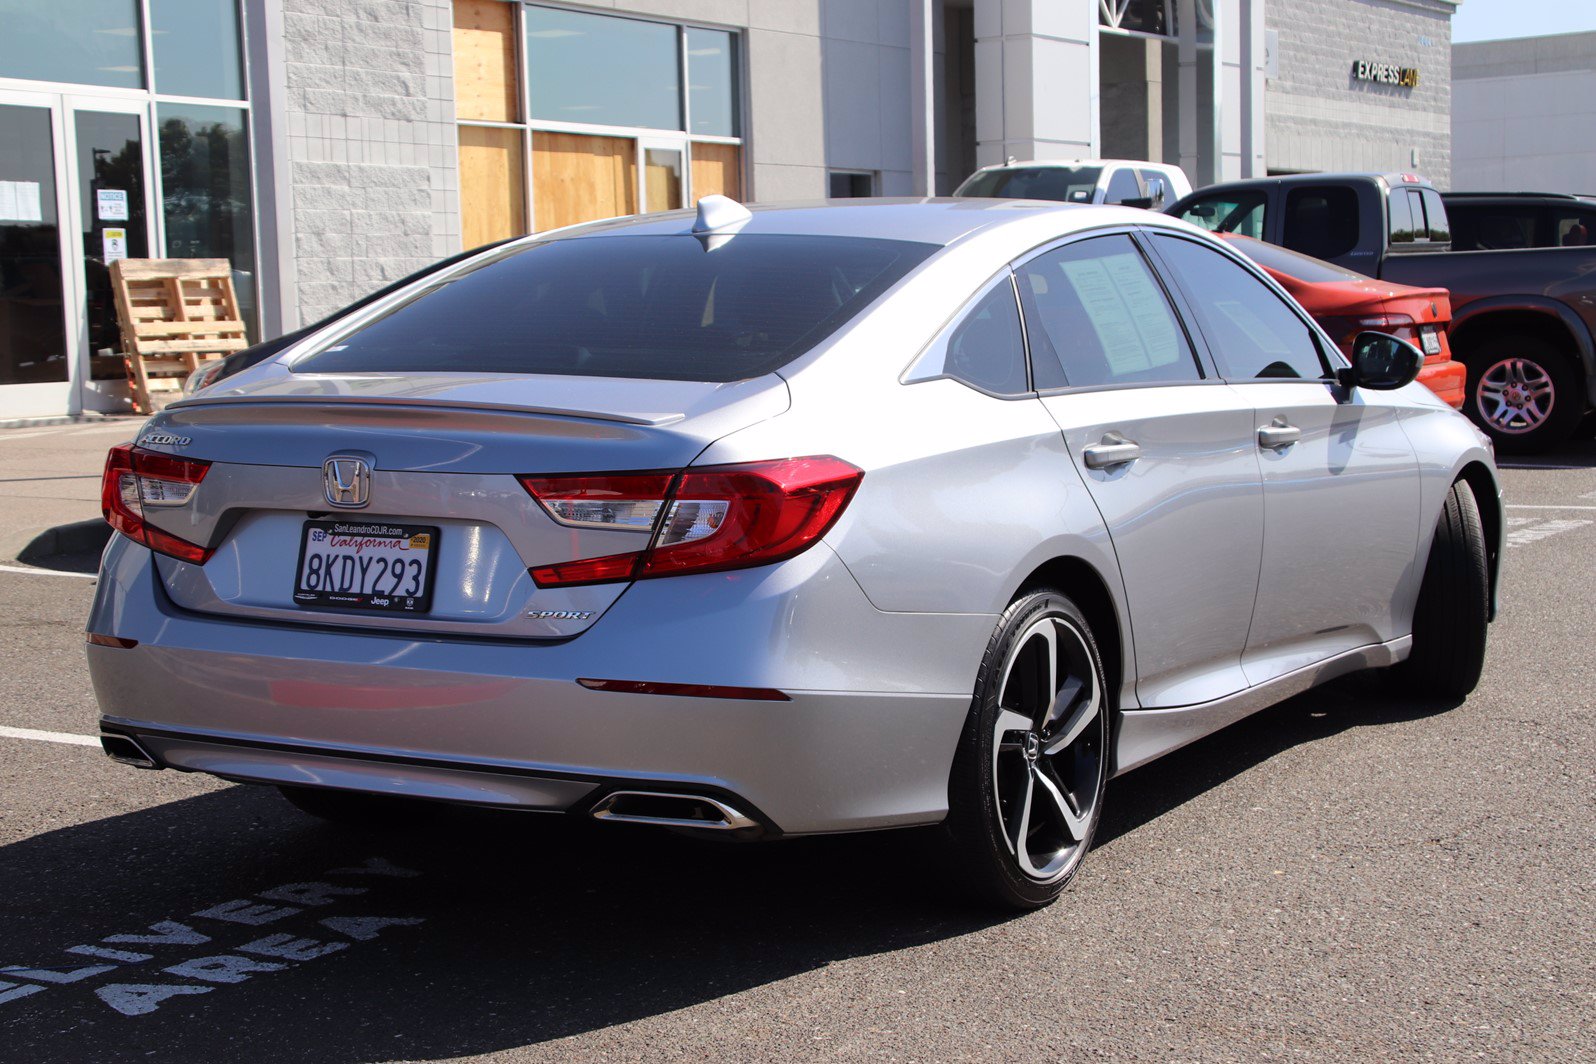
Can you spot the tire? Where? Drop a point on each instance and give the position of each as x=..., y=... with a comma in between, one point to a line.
x=1450, y=619
x=1544, y=378
x=1007, y=783
x=371, y=812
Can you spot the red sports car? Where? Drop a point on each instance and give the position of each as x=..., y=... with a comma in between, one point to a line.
x=1345, y=303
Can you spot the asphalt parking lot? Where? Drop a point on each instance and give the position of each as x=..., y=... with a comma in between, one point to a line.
x=1348, y=876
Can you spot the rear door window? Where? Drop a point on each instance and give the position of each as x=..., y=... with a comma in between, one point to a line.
x=660, y=307
x=1229, y=212
x=1495, y=227
x=1573, y=228
x=1096, y=314
x=1321, y=221
x=1251, y=332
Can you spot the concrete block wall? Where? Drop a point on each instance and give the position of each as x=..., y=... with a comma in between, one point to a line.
x=1524, y=114
x=1317, y=117
x=369, y=111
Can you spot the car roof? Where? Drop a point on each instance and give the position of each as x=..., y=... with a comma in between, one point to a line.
x=1032, y=163
x=1576, y=197
x=940, y=221
x=1395, y=180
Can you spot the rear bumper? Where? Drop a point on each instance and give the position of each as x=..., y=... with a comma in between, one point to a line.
x=1449, y=380
x=866, y=740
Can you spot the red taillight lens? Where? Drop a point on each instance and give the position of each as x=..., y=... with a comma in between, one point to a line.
x=135, y=479
x=704, y=520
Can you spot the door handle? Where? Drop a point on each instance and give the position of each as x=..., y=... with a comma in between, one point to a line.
x=1278, y=434
x=1114, y=450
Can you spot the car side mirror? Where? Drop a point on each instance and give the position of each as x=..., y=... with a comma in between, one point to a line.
x=1381, y=363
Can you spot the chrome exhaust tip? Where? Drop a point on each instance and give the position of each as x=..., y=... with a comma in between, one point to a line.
x=127, y=751
x=671, y=811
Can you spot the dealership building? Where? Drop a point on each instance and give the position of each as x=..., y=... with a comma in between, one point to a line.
x=326, y=149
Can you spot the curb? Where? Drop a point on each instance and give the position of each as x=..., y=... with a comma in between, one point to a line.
x=62, y=546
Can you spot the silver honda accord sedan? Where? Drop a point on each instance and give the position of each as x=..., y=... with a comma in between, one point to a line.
x=788, y=520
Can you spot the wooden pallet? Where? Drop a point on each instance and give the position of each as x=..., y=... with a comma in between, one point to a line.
x=174, y=314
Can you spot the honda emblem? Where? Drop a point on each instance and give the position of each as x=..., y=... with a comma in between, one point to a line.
x=347, y=480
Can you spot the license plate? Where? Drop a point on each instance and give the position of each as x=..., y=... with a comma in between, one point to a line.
x=1431, y=340
x=362, y=565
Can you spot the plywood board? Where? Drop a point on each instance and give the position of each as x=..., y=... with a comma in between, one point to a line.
x=485, y=82
x=578, y=178
x=492, y=203
x=717, y=170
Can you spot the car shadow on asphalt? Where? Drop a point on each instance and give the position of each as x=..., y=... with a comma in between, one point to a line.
x=480, y=932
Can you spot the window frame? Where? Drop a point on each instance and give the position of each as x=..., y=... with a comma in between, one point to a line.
x=1330, y=356
x=957, y=319
x=681, y=139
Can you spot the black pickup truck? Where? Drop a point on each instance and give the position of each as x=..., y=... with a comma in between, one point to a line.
x=1523, y=316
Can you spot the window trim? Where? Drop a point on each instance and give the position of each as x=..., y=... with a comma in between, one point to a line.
x=1328, y=352
x=956, y=319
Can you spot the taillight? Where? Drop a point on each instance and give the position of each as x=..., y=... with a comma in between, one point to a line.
x=701, y=520
x=135, y=479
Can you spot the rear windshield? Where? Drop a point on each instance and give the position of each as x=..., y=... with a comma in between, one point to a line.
x=661, y=307
x=1069, y=184
x=1293, y=263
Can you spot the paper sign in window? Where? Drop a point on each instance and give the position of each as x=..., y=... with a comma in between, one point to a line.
x=113, y=244
x=19, y=202
x=1127, y=311
x=111, y=204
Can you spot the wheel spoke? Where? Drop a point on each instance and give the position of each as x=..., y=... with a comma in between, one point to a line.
x=1022, y=828
x=1074, y=823
x=1081, y=713
x=1008, y=723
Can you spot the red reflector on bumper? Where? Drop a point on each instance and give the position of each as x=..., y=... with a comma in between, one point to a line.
x=686, y=690
x=112, y=641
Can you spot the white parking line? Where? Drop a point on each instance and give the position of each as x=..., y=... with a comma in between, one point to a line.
x=49, y=736
x=1542, y=529
x=82, y=576
x=1526, y=506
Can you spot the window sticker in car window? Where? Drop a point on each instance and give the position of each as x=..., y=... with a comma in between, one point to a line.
x=1121, y=302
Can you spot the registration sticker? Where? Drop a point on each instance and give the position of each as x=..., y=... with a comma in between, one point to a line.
x=363, y=565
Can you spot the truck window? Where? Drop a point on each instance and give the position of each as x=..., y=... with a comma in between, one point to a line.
x=1495, y=227
x=1401, y=217
x=1229, y=212
x=1435, y=216
x=1321, y=220
x=1573, y=228
x=1123, y=186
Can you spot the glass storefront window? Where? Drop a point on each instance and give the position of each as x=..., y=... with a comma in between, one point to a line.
x=93, y=42
x=33, y=343
x=602, y=70
x=196, y=48
x=110, y=153
x=712, y=82
x=205, y=191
